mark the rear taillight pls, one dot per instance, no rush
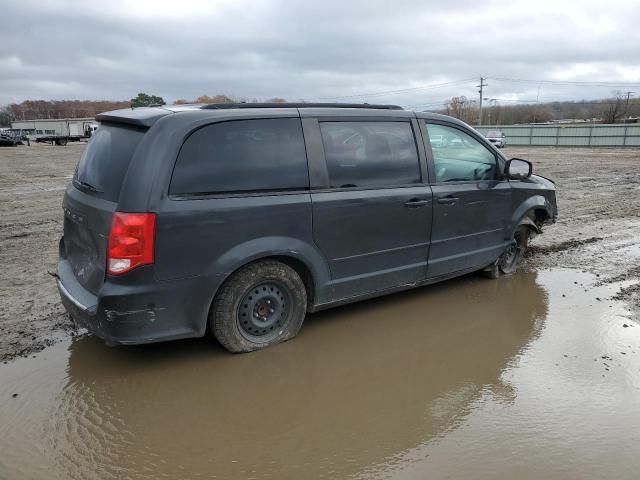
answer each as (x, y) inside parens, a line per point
(131, 241)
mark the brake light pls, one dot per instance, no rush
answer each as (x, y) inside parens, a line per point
(131, 241)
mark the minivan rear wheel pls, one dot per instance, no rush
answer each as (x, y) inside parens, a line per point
(259, 305)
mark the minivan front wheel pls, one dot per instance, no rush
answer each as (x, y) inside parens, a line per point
(259, 305)
(511, 257)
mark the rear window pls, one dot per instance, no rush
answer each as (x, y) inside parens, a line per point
(105, 160)
(242, 156)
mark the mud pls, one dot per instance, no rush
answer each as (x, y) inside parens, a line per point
(530, 376)
(598, 194)
(598, 230)
(516, 381)
(536, 250)
(32, 183)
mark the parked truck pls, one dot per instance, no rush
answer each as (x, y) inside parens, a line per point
(58, 131)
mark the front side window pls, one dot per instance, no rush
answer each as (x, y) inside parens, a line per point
(242, 156)
(459, 157)
(370, 154)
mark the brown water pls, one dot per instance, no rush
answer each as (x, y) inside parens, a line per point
(469, 379)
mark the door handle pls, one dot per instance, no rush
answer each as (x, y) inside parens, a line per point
(448, 200)
(416, 203)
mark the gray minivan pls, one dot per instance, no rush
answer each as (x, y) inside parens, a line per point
(242, 218)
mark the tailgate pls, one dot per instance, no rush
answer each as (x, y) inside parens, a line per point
(91, 199)
(86, 232)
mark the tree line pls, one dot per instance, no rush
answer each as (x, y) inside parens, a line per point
(616, 109)
(206, 99)
(56, 109)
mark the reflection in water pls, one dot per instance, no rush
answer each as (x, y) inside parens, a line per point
(360, 384)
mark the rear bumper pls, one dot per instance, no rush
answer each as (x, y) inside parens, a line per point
(126, 314)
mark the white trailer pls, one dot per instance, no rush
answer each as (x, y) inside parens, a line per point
(57, 131)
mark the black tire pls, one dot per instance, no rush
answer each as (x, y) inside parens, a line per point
(260, 305)
(508, 262)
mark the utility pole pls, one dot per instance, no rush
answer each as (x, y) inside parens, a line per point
(481, 86)
(535, 109)
(626, 108)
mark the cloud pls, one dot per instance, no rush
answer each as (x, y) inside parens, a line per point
(312, 50)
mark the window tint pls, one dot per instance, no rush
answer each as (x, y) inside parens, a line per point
(459, 157)
(241, 156)
(105, 160)
(365, 154)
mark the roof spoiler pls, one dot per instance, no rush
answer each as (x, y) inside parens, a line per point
(139, 117)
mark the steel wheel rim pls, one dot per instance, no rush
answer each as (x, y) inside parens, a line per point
(264, 311)
(511, 256)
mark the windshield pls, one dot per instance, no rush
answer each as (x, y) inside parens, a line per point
(494, 133)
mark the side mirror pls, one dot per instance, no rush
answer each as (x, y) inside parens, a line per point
(518, 169)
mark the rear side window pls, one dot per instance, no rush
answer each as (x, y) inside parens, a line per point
(105, 160)
(242, 156)
(370, 154)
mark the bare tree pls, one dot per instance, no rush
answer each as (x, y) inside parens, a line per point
(463, 109)
(214, 99)
(614, 109)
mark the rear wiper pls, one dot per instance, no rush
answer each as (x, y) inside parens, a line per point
(88, 186)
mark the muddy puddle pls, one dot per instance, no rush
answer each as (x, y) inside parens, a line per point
(525, 377)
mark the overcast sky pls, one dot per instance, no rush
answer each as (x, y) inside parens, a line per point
(318, 50)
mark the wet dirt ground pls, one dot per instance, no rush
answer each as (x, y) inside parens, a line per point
(532, 376)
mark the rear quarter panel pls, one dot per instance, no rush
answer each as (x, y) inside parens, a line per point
(205, 236)
(219, 235)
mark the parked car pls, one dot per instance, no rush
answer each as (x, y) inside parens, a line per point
(242, 218)
(497, 138)
(7, 138)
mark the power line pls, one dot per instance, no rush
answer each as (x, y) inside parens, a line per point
(382, 93)
(576, 102)
(395, 92)
(516, 102)
(595, 83)
(423, 105)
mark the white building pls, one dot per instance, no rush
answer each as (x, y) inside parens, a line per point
(73, 128)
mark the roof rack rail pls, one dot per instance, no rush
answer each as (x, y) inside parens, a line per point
(226, 106)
